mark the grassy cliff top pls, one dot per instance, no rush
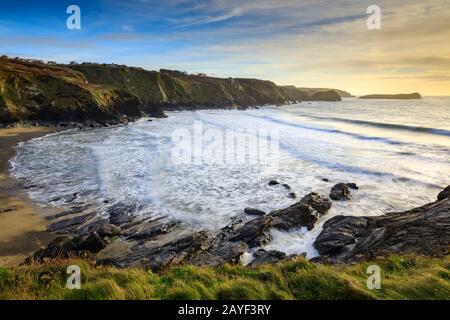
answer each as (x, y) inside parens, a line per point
(402, 277)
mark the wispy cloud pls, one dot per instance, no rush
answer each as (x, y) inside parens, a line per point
(306, 43)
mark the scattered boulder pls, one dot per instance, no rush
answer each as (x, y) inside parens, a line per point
(286, 186)
(109, 230)
(353, 186)
(340, 191)
(121, 213)
(69, 246)
(296, 216)
(292, 195)
(219, 254)
(444, 194)
(254, 233)
(176, 252)
(164, 251)
(93, 243)
(254, 212)
(321, 204)
(262, 256)
(273, 183)
(339, 232)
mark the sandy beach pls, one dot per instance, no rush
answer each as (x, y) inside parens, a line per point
(22, 223)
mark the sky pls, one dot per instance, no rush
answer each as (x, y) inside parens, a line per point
(310, 43)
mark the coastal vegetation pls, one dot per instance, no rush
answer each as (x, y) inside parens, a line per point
(402, 277)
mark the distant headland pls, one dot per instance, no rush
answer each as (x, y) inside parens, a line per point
(404, 96)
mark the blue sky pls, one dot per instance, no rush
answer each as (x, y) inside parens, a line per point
(306, 43)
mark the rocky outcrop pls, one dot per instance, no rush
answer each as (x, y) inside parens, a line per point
(254, 212)
(321, 204)
(444, 194)
(304, 213)
(69, 246)
(407, 96)
(325, 96)
(254, 233)
(122, 239)
(295, 216)
(424, 230)
(261, 257)
(340, 191)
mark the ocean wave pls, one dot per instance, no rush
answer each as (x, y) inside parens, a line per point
(392, 126)
(334, 131)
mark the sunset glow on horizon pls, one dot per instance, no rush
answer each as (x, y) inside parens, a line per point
(302, 43)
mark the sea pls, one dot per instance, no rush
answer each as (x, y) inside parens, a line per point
(204, 167)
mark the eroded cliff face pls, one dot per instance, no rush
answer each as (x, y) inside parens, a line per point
(33, 92)
(424, 230)
(36, 92)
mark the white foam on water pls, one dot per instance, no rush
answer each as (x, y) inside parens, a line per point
(395, 169)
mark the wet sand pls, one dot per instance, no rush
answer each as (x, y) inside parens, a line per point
(22, 222)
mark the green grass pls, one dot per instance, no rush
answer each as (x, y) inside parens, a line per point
(403, 277)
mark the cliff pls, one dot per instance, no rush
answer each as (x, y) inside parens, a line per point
(407, 96)
(34, 91)
(341, 93)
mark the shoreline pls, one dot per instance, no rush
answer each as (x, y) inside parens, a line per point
(23, 227)
(122, 240)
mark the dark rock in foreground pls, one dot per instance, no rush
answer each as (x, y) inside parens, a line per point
(301, 214)
(262, 256)
(352, 186)
(424, 230)
(295, 216)
(254, 233)
(69, 246)
(321, 204)
(444, 194)
(254, 212)
(341, 191)
(292, 195)
(286, 186)
(109, 230)
(122, 239)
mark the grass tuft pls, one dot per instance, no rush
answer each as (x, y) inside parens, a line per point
(402, 277)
